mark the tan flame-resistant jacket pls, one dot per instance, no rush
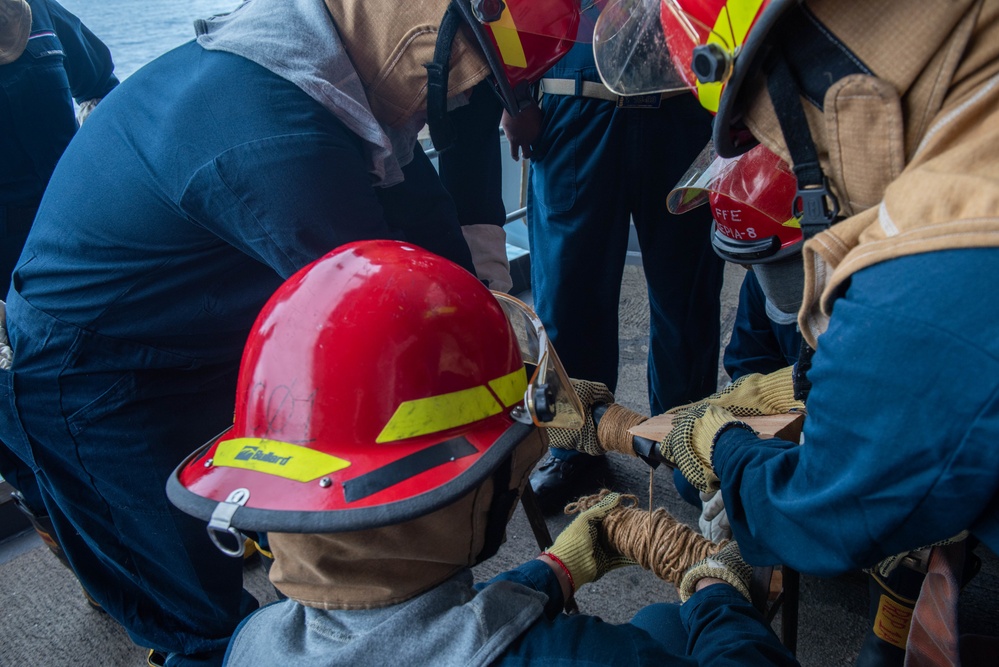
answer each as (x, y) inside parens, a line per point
(389, 42)
(913, 152)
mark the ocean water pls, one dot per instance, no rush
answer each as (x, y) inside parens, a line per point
(137, 31)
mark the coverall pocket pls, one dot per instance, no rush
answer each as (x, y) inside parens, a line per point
(12, 433)
(553, 168)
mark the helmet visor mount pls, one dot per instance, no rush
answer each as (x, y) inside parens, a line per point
(550, 400)
(654, 46)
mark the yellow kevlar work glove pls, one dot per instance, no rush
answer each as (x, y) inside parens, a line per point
(591, 394)
(726, 565)
(754, 395)
(582, 549)
(691, 442)
(888, 565)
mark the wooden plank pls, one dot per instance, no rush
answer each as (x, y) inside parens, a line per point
(786, 426)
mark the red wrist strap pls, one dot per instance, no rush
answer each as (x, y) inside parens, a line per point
(568, 574)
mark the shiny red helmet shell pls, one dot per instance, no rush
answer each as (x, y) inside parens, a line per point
(375, 386)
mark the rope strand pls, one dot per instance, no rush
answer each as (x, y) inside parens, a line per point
(653, 539)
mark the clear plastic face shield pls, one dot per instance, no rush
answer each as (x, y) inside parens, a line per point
(654, 46)
(550, 400)
(759, 178)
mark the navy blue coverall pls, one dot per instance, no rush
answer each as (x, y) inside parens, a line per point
(903, 419)
(62, 62)
(595, 165)
(189, 195)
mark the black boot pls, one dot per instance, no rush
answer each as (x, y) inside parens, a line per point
(559, 480)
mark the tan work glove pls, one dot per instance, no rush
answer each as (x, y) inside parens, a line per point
(487, 243)
(726, 565)
(753, 395)
(690, 444)
(585, 440)
(581, 548)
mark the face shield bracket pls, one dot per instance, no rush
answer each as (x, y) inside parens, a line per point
(221, 523)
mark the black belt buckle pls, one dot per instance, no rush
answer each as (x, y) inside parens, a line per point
(651, 101)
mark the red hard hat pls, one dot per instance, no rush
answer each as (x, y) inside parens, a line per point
(379, 383)
(522, 39)
(751, 199)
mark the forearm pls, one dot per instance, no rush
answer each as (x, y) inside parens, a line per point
(539, 575)
(724, 629)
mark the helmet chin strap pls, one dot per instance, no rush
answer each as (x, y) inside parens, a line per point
(814, 203)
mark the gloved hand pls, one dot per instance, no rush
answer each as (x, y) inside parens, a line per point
(714, 519)
(487, 243)
(582, 549)
(691, 442)
(753, 395)
(888, 565)
(86, 108)
(726, 565)
(522, 130)
(591, 394)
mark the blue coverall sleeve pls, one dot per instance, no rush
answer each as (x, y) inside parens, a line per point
(725, 630)
(536, 575)
(88, 62)
(899, 443)
(277, 200)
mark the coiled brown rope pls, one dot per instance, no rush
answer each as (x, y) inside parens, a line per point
(655, 540)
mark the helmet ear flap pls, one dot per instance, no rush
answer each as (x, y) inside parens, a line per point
(508, 483)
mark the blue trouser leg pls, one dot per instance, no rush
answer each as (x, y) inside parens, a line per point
(578, 237)
(598, 167)
(683, 273)
(102, 444)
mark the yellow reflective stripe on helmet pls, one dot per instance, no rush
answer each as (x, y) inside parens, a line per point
(709, 95)
(458, 408)
(508, 40)
(511, 387)
(281, 459)
(729, 32)
(792, 222)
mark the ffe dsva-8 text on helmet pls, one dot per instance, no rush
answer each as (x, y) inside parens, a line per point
(379, 384)
(711, 47)
(752, 204)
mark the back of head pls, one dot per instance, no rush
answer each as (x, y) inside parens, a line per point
(15, 26)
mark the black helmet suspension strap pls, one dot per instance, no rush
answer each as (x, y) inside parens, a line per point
(441, 128)
(814, 202)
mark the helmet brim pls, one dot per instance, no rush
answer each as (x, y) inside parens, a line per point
(200, 488)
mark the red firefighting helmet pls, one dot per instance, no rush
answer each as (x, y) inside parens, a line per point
(378, 384)
(707, 46)
(751, 199)
(522, 39)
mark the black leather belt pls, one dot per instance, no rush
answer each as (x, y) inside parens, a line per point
(599, 91)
